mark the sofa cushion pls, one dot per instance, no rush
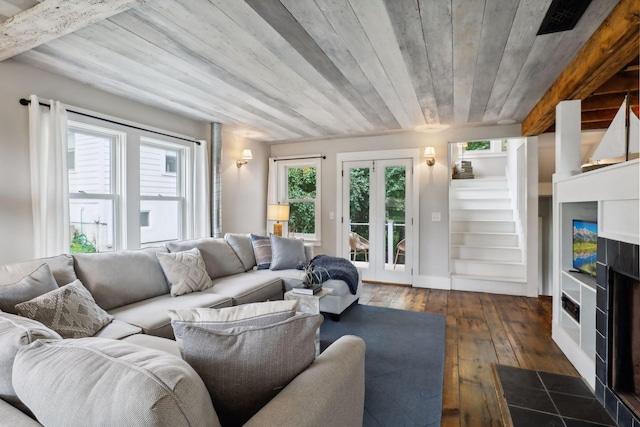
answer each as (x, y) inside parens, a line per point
(248, 287)
(185, 271)
(61, 267)
(261, 250)
(112, 383)
(30, 286)
(255, 314)
(155, 343)
(124, 277)
(218, 256)
(241, 245)
(245, 367)
(151, 315)
(14, 417)
(69, 310)
(117, 330)
(15, 333)
(286, 253)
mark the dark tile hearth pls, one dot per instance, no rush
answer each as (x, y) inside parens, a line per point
(535, 398)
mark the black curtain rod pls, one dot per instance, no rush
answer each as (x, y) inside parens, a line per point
(24, 101)
(301, 158)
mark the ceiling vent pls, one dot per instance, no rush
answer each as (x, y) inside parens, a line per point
(563, 15)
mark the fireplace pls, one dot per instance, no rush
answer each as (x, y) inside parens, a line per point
(618, 331)
(625, 338)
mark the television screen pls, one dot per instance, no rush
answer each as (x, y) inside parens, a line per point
(585, 238)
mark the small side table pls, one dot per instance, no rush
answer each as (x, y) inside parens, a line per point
(309, 304)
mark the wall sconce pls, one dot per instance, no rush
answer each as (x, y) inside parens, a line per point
(278, 213)
(430, 155)
(246, 156)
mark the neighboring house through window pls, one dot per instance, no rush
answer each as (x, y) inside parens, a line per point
(114, 192)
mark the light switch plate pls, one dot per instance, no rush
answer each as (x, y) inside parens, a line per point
(435, 216)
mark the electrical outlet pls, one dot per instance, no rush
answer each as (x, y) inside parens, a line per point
(435, 216)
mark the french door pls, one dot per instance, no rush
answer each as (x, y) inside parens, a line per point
(377, 218)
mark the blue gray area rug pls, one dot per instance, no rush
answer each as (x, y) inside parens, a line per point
(404, 363)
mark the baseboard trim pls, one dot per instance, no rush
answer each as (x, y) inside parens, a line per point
(432, 282)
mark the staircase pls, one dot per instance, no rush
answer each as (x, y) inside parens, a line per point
(486, 253)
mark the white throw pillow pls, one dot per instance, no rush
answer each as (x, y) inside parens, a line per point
(185, 271)
(254, 314)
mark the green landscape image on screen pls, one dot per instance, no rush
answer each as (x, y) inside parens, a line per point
(585, 238)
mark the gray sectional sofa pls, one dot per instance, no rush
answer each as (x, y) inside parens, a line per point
(131, 286)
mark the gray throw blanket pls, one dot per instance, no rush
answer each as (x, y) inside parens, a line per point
(337, 269)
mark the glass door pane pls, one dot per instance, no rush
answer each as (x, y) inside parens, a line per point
(376, 230)
(359, 215)
(395, 187)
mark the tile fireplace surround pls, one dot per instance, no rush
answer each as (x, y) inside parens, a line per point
(623, 258)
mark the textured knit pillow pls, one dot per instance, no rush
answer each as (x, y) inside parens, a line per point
(185, 271)
(262, 251)
(245, 367)
(33, 285)
(253, 314)
(286, 253)
(69, 310)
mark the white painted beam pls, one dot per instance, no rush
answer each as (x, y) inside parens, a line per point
(52, 19)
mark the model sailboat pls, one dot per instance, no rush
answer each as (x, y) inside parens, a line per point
(620, 143)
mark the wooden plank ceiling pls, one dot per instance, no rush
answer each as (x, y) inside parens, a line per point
(282, 70)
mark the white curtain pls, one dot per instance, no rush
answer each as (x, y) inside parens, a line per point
(201, 204)
(49, 179)
(272, 189)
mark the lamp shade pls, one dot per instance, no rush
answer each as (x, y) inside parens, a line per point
(429, 152)
(278, 212)
(246, 154)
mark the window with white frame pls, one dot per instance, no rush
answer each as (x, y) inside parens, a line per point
(94, 192)
(122, 200)
(299, 187)
(160, 192)
(486, 148)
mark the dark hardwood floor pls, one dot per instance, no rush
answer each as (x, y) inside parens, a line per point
(481, 329)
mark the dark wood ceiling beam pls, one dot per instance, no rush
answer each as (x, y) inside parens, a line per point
(598, 116)
(611, 47)
(620, 83)
(605, 102)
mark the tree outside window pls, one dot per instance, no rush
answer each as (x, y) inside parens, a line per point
(301, 195)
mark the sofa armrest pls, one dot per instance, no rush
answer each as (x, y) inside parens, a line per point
(330, 392)
(14, 417)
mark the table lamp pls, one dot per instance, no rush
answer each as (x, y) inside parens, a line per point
(278, 213)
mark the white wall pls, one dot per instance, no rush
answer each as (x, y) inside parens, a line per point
(242, 189)
(434, 192)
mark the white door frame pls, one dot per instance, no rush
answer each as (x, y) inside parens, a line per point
(412, 153)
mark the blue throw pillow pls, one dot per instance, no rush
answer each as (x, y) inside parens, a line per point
(262, 251)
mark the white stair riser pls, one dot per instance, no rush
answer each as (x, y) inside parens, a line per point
(485, 239)
(484, 214)
(479, 193)
(483, 226)
(471, 268)
(479, 183)
(474, 204)
(492, 286)
(486, 254)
